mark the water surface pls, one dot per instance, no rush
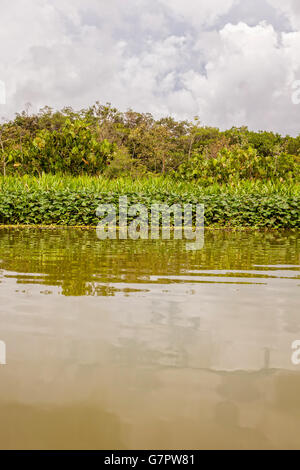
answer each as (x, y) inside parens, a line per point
(143, 344)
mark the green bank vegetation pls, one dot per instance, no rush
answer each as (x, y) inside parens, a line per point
(73, 200)
(154, 185)
(58, 166)
(101, 140)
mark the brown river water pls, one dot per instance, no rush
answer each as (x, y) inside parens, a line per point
(145, 345)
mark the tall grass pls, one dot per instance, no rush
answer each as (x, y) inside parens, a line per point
(143, 185)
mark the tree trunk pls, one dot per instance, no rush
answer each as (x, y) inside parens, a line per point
(3, 158)
(163, 165)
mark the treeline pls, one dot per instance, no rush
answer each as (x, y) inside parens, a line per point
(103, 140)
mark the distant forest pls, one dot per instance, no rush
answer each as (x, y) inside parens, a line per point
(101, 140)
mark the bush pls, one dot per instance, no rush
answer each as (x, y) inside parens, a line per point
(241, 163)
(102, 140)
(68, 203)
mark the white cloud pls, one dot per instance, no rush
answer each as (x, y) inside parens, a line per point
(291, 8)
(249, 81)
(198, 13)
(162, 56)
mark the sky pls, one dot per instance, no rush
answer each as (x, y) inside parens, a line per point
(230, 62)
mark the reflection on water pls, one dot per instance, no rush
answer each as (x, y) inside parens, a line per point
(124, 345)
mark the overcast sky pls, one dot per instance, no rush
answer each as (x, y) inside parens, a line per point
(231, 62)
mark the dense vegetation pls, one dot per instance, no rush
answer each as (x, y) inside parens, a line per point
(58, 166)
(73, 201)
(103, 141)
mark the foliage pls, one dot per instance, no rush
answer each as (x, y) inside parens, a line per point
(73, 148)
(101, 140)
(73, 201)
(157, 184)
(241, 163)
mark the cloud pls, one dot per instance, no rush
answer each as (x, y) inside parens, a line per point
(198, 13)
(165, 57)
(290, 8)
(249, 80)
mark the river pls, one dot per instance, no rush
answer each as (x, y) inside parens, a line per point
(145, 345)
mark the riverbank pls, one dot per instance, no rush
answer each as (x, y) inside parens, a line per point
(68, 201)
